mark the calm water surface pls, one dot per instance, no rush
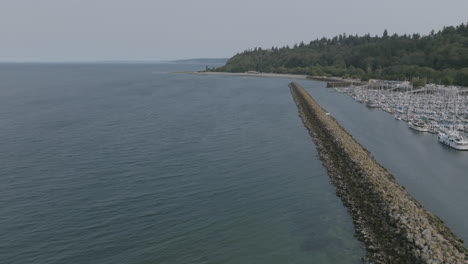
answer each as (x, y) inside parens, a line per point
(132, 164)
(436, 175)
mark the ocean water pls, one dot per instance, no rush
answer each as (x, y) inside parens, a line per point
(436, 175)
(127, 163)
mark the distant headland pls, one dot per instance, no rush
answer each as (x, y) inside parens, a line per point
(203, 60)
(439, 57)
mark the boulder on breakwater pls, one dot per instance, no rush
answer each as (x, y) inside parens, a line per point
(392, 225)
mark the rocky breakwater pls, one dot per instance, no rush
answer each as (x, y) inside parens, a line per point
(392, 225)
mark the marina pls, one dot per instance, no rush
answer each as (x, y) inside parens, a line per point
(435, 109)
(371, 193)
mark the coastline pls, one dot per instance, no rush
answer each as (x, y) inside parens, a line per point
(266, 75)
(392, 225)
(330, 81)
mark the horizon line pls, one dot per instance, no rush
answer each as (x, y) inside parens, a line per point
(104, 61)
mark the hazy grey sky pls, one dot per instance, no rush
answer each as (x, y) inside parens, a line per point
(90, 30)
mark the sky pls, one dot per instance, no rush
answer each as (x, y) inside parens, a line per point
(149, 30)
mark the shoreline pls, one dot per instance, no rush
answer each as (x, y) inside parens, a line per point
(330, 81)
(391, 224)
(265, 75)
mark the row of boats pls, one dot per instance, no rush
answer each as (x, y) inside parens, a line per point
(434, 109)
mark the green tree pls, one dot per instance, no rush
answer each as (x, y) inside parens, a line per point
(385, 34)
(447, 80)
(419, 83)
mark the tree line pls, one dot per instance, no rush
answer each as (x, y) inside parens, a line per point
(438, 57)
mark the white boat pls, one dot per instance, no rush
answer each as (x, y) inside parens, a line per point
(388, 110)
(453, 139)
(419, 126)
(371, 104)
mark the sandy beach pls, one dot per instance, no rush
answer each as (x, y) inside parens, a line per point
(268, 75)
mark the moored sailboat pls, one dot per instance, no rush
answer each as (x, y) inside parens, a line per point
(420, 126)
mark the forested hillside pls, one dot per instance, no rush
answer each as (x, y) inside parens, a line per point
(440, 57)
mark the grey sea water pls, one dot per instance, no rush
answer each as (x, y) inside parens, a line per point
(103, 163)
